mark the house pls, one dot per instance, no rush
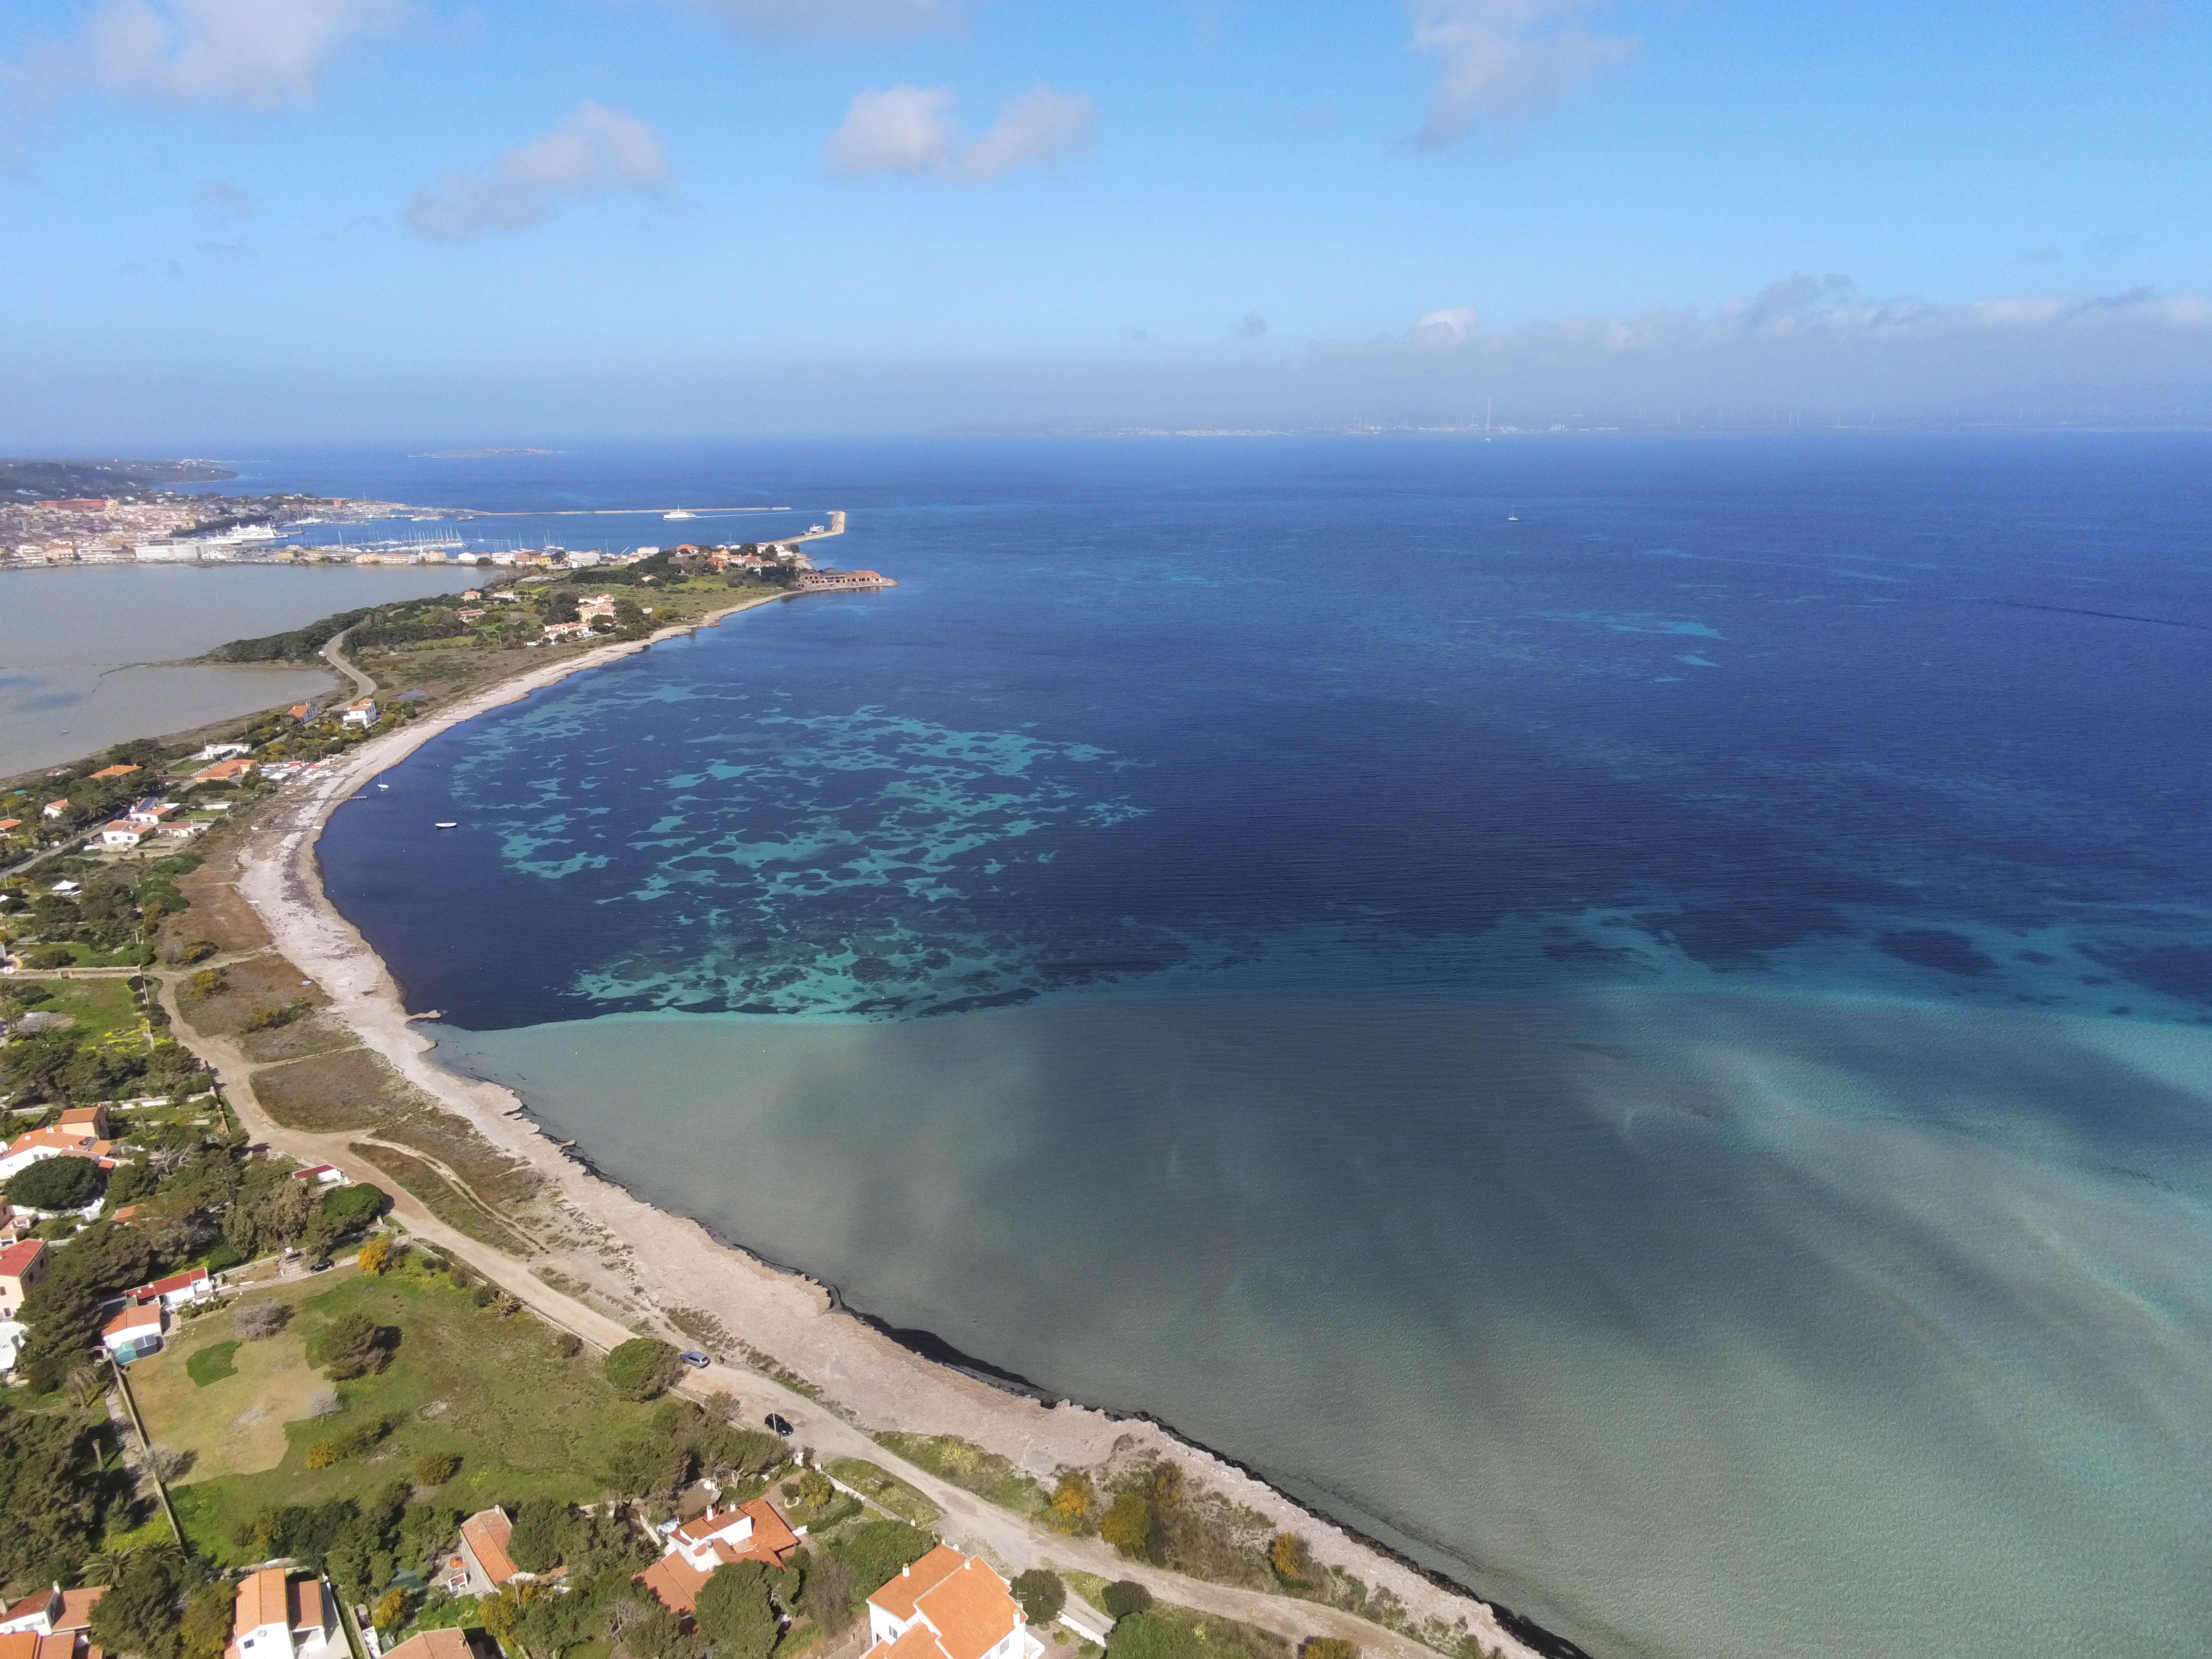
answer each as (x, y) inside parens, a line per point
(65, 889)
(184, 829)
(146, 813)
(225, 771)
(323, 1175)
(21, 1266)
(12, 1332)
(447, 1644)
(35, 1144)
(137, 1330)
(948, 1606)
(575, 630)
(50, 1624)
(719, 1538)
(277, 1617)
(108, 772)
(215, 752)
(9, 826)
(85, 1121)
(472, 614)
(121, 833)
(55, 809)
(362, 713)
(484, 1563)
(177, 1290)
(601, 604)
(300, 711)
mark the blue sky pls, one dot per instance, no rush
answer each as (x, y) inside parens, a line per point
(357, 217)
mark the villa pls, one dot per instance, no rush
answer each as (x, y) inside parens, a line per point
(178, 1290)
(21, 1266)
(50, 1624)
(362, 713)
(276, 1618)
(948, 1606)
(744, 1532)
(482, 1563)
(63, 1140)
(121, 833)
(135, 1331)
(55, 809)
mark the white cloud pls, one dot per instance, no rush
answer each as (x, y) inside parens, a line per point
(1448, 327)
(912, 130)
(260, 53)
(1507, 60)
(594, 151)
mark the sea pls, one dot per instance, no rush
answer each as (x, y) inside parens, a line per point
(1629, 1015)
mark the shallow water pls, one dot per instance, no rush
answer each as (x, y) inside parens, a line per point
(1629, 1015)
(73, 643)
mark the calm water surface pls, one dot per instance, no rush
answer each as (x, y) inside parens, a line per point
(75, 643)
(1629, 1015)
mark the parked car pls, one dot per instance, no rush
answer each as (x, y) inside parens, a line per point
(780, 1424)
(695, 1360)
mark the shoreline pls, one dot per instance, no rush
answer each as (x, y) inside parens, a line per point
(798, 1328)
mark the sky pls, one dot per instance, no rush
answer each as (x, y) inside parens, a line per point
(515, 220)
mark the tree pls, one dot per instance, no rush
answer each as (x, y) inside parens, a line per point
(54, 1183)
(1289, 1557)
(815, 1489)
(49, 1496)
(1125, 1598)
(827, 1596)
(352, 1345)
(1041, 1595)
(205, 1631)
(1072, 1500)
(375, 1255)
(348, 1209)
(391, 1610)
(642, 1368)
(876, 1550)
(1128, 1525)
(142, 1610)
(734, 1612)
(540, 1540)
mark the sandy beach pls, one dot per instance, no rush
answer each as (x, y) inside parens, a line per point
(853, 1377)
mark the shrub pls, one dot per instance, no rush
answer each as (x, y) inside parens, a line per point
(352, 1444)
(1041, 1594)
(1287, 1556)
(1072, 1500)
(354, 1345)
(1127, 1525)
(567, 1344)
(54, 1183)
(253, 1319)
(642, 1368)
(876, 1551)
(198, 950)
(375, 1255)
(1147, 1635)
(204, 984)
(348, 1209)
(1124, 1599)
(539, 1541)
(734, 1612)
(436, 1469)
(1328, 1647)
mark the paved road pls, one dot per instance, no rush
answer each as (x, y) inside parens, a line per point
(334, 653)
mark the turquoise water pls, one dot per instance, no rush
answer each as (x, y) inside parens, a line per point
(1651, 1051)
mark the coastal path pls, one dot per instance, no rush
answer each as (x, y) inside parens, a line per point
(333, 652)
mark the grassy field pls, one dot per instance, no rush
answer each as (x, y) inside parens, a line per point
(886, 1491)
(971, 1468)
(495, 1390)
(102, 1008)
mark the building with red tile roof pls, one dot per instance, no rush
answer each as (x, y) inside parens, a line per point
(114, 772)
(21, 1266)
(484, 1537)
(138, 1327)
(719, 1538)
(949, 1605)
(55, 1612)
(278, 1617)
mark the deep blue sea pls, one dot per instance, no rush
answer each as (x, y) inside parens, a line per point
(1629, 1014)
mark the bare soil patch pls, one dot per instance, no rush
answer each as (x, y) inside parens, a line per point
(263, 982)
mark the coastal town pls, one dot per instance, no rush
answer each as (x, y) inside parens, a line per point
(311, 1348)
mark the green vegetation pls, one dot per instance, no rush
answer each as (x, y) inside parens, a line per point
(1123, 1598)
(162, 1605)
(971, 1468)
(212, 1364)
(53, 1496)
(885, 1490)
(54, 1183)
(1130, 1526)
(1041, 1595)
(642, 1368)
(98, 1010)
(1171, 1632)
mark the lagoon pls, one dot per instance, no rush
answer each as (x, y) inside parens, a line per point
(80, 646)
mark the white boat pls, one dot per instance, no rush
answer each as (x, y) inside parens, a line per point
(446, 826)
(679, 514)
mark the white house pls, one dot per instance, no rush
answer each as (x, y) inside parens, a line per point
(138, 1327)
(122, 833)
(362, 713)
(949, 1605)
(178, 1289)
(215, 752)
(57, 1141)
(47, 1613)
(12, 1332)
(719, 1538)
(277, 1617)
